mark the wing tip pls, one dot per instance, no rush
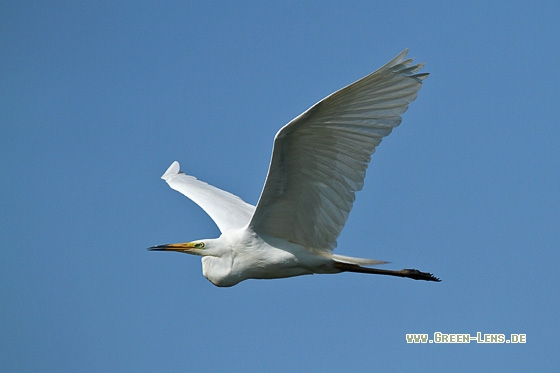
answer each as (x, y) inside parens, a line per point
(398, 58)
(172, 170)
(400, 65)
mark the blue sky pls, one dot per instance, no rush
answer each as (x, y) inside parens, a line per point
(97, 100)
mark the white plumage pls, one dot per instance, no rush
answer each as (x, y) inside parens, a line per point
(318, 163)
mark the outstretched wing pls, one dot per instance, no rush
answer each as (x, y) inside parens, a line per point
(227, 210)
(320, 158)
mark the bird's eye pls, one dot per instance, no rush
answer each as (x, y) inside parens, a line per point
(199, 245)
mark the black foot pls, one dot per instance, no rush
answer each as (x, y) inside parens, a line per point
(417, 275)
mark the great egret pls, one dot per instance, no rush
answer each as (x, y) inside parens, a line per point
(319, 161)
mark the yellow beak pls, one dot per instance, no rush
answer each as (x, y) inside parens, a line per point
(180, 247)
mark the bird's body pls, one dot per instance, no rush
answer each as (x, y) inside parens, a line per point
(318, 163)
(248, 255)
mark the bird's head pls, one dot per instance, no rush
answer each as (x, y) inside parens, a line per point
(200, 248)
(217, 260)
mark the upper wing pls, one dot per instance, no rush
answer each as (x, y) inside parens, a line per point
(320, 158)
(227, 210)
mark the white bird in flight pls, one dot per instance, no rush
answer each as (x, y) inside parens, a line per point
(319, 162)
